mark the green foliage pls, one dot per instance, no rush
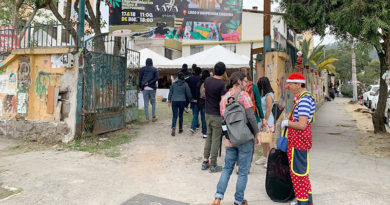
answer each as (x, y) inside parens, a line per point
(344, 64)
(348, 18)
(371, 73)
(347, 90)
(317, 57)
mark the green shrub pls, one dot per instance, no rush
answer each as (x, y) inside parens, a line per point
(347, 90)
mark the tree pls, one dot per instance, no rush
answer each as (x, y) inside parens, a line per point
(317, 58)
(366, 20)
(94, 21)
(344, 54)
(370, 73)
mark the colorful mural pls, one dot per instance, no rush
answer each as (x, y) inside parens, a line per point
(215, 20)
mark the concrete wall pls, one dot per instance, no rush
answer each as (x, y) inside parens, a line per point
(39, 85)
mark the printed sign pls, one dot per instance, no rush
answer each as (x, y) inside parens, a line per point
(22, 103)
(216, 20)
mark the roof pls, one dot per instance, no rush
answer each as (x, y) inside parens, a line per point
(157, 58)
(208, 58)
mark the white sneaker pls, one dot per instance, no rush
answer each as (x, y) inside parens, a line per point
(204, 136)
(261, 161)
(265, 166)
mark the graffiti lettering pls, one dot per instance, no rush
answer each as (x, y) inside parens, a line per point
(42, 83)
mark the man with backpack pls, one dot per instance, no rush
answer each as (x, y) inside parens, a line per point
(215, 89)
(236, 109)
(300, 137)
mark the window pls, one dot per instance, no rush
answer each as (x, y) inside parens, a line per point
(231, 47)
(196, 49)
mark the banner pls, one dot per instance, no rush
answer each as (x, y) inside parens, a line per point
(8, 39)
(216, 20)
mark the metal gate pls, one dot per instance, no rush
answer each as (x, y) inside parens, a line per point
(105, 84)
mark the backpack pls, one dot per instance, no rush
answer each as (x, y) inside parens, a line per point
(236, 122)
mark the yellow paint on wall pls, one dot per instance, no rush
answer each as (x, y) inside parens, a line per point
(43, 73)
(8, 96)
(42, 76)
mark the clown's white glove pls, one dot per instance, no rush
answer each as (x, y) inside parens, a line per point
(284, 124)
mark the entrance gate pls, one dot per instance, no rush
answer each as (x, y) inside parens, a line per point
(105, 83)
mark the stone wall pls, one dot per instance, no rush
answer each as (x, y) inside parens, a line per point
(35, 131)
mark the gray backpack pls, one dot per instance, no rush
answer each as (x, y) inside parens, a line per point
(236, 122)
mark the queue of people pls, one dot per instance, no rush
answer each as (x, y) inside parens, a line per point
(210, 93)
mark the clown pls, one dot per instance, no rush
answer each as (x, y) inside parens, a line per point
(299, 137)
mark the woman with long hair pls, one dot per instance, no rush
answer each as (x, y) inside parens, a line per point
(268, 123)
(241, 153)
(201, 100)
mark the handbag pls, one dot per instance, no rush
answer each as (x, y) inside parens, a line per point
(281, 143)
(266, 136)
(277, 110)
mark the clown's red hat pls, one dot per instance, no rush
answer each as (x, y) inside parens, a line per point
(296, 78)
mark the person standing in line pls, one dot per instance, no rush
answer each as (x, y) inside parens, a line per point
(178, 93)
(300, 137)
(192, 82)
(147, 83)
(254, 93)
(187, 75)
(215, 89)
(201, 99)
(241, 154)
(268, 124)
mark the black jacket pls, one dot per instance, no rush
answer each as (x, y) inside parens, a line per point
(148, 74)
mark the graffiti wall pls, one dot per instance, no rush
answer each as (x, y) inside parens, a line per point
(30, 86)
(277, 68)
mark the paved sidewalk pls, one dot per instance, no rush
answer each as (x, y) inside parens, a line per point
(339, 173)
(156, 166)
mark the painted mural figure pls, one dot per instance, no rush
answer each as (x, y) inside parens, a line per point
(300, 137)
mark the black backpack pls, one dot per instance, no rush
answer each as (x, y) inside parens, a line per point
(278, 182)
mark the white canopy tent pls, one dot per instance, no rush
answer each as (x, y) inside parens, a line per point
(208, 58)
(157, 58)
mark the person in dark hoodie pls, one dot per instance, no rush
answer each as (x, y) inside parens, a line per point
(178, 93)
(187, 75)
(201, 100)
(147, 83)
(192, 82)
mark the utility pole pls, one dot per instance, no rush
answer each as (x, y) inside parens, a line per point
(267, 26)
(354, 80)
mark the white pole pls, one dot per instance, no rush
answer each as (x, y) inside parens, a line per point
(354, 80)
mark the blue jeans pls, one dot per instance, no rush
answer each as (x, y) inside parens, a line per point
(195, 116)
(178, 108)
(149, 95)
(242, 154)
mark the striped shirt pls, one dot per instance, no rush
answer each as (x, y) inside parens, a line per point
(306, 107)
